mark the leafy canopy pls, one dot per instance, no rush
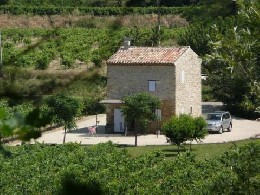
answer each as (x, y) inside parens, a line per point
(140, 108)
(183, 128)
(64, 110)
(234, 58)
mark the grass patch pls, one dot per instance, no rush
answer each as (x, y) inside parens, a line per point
(202, 151)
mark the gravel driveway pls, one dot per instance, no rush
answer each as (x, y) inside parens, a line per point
(242, 129)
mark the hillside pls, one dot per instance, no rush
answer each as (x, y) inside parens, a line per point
(44, 53)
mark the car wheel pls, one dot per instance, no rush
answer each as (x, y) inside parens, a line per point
(230, 127)
(221, 130)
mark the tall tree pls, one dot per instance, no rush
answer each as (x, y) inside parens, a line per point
(139, 109)
(234, 59)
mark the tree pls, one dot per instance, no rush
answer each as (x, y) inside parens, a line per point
(179, 129)
(209, 10)
(230, 50)
(234, 60)
(39, 117)
(64, 110)
(184, 127)
(139, 109)
(4, 2)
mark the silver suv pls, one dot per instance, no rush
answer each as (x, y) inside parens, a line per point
(218, 121)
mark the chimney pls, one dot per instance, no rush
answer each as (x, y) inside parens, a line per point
(127, 44)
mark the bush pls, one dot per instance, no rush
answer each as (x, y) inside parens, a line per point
(92, 106)
(183, 128)
(42, 63)
(96, 59)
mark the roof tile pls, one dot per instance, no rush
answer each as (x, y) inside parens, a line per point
(146, 55)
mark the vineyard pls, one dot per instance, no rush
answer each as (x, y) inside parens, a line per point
(94, 11)
(105, 169)
(68, 58)
(36, 48)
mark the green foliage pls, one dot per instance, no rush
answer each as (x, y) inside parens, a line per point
(183, 128)
(244, 162)
(4, 2)
(207, 93)
(39, 117)
(82, 10)
(196, 36)
(234, 58)
(96, 59)
(200, 130)
(139, 109)
(229, 46)
(38, 169)
(64, 110)
(209, 10)
(92, 106)
(71, 44)
(179, 128)
(145, 3)
(12, 123)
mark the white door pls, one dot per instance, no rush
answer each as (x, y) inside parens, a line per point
(118, 121)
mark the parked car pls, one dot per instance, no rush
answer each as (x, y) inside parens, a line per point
(218, 121)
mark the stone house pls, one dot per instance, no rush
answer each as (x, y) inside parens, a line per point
(173, 74)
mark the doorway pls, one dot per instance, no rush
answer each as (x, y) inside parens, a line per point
(118, 121)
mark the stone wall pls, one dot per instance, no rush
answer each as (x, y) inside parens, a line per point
(127, 80)
(188, 84)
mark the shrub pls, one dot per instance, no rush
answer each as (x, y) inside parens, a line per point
(183, 128)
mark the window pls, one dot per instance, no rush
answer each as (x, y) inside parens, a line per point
(182, 76)
(226, 116)
(151, 85)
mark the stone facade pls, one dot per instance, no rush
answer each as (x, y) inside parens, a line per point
(188, 84)
(177, 84)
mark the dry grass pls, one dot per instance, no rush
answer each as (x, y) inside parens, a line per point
(27, 21)
(45, 82)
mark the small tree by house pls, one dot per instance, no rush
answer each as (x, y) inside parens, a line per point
(183, 128)
(64, 110)
(179, 129)
(138, 110)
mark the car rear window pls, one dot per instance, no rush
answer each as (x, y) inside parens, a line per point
(214, 117)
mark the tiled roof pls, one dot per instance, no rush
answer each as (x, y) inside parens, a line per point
(146, 55)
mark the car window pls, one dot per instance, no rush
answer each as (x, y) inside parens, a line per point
(227, 116)
(214, 117)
